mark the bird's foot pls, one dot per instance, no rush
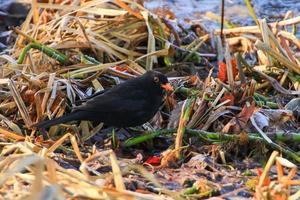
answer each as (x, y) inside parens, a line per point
(44, 134)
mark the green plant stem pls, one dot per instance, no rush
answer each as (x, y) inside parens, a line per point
(89, 60)
(193, 51)
(47, 50)
(295, 29)
(240, 68)
(261, 101)
(187, 91)
(213, 137)
(251, 12)
(268, 104)
(162, 34)
(191, 190)
(147, 136)
(182, 125)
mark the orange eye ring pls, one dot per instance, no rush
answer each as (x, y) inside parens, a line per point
(156, 79)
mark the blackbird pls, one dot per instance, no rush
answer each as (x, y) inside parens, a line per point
(128, 104)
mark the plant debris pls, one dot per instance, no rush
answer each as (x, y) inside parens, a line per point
(235, 102)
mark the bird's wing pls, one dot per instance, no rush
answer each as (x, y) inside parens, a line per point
(121, 99)
(92, 96)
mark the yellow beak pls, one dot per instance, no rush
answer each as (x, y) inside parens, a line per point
(168, 87)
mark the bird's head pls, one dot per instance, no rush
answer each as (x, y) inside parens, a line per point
(159, 80)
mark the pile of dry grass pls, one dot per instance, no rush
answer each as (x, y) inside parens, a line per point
(64, 49)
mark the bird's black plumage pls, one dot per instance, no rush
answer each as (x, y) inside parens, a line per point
(128, 104)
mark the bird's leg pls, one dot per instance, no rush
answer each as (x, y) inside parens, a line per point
(128, 130)
(44, 134)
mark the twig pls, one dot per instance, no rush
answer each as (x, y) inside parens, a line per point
(255, 29)
(222, 18)
(277, 85)
(31, 39)
(35, 12)
(292, 66)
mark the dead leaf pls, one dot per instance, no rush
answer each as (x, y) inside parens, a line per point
(238, 123)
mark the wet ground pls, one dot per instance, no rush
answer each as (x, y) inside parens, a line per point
(12, 14)
(236, 11)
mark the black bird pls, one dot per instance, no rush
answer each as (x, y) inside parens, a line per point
(128, 104)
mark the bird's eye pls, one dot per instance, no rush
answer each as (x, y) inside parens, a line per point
(156, 79)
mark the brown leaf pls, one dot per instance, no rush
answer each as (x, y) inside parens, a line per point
(238, 123)
(230, 97)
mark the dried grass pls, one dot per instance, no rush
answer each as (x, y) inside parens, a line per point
(69, 46)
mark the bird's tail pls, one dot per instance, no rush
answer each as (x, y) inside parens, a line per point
(67, 118)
